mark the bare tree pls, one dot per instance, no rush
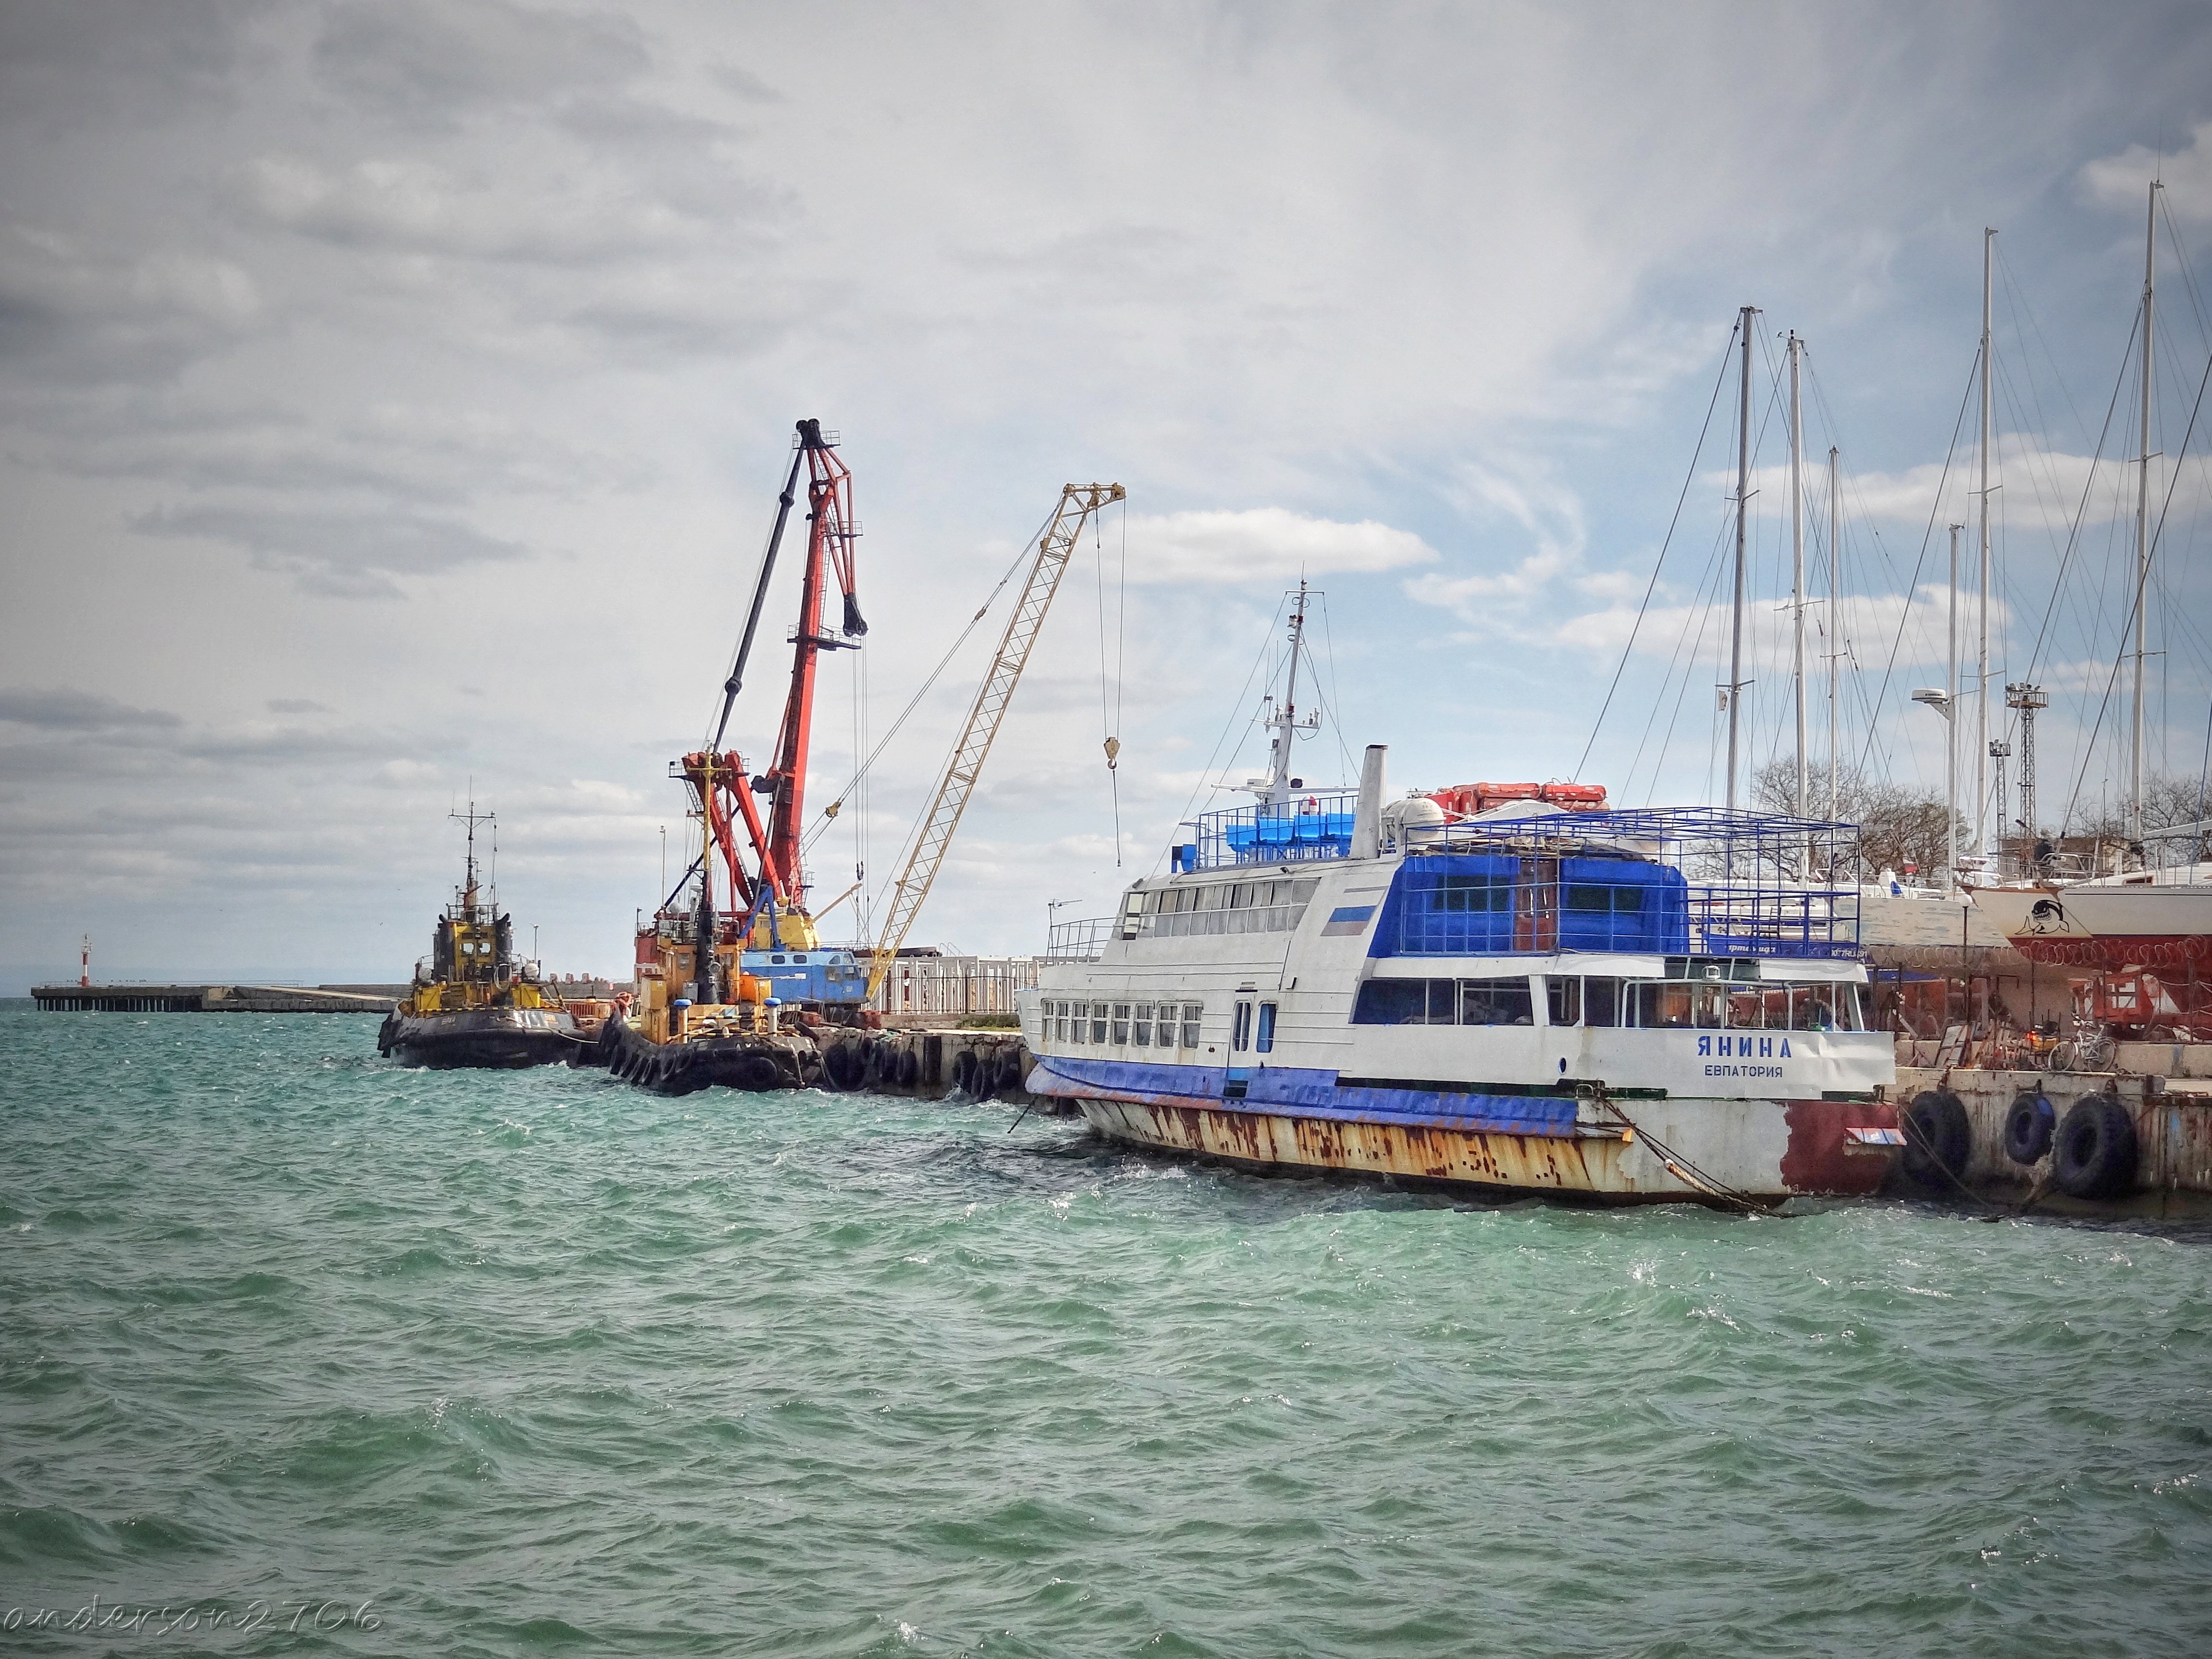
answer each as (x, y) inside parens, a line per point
(1897, 826)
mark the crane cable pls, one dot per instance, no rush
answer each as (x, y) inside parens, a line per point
(1110, 712)
(831, 811)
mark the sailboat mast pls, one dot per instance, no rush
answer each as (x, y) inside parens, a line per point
(1982, 661)
(1835, 630)
(2142, 521)
(1951, 730)
(1742, 502)
(1798, 566)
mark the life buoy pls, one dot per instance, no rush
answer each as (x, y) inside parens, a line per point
(2029, 1122)
(2093, 1154)
(1938, 1139)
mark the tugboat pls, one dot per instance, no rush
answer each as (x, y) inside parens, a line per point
(734, 985)
(1486, 989)
(472, 1003)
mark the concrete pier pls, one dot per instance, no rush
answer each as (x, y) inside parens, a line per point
(218, 998)
(2173, 1118)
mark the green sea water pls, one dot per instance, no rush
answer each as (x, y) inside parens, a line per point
(360, 1359)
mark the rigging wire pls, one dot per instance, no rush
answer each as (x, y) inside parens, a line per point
(1659, 563)
(1904, 614)
(2150, 554)
(1236, 708)
(823, 821)
(1329, 703)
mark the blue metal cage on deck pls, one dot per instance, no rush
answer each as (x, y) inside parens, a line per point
(1671, 880)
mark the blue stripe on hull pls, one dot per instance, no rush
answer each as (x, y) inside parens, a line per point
(1292, 1091)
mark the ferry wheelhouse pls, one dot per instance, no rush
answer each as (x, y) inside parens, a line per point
(1622, 1004)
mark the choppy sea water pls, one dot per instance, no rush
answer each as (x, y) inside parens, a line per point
(360, 1359)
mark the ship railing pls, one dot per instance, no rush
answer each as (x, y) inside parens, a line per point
(1779, 921)
(1732, 844)
(1314, 826)
(1079, 941)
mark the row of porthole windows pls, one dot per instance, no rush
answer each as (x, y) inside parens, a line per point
(1125, 1024)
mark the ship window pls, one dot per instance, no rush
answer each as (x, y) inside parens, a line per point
(799, 958)
(1405, 1002)
(1496, 1002)
(1074, 1023)
(1132, 914)
(1121, 1024)
(1142, 1036)
(1602, 1002)
(777, 960)
(1265, 1041)
(1214, 897)
(1059, 1027)
(1664, 1008)
(1241, 1037)
(1564, 999)
(1592, 898)
(1098, 1021)
(1192, 1012)
(1473, 893)
(1813, 1008)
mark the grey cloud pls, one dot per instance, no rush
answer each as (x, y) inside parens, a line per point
(343, 555)
(744, 84)
(584, 217)
(295, 705)
(399, 452)
(95, 315)
(431, 62)
(55, 709)
(122, 62)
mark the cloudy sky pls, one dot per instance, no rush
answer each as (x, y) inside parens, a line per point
(395, 395)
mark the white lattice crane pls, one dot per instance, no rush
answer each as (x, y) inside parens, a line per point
(1055, 547)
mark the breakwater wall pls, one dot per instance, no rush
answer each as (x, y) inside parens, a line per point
(135, 998)
(218, 998)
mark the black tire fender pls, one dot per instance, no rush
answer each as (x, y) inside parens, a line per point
(1011, 1072)
(2094, 1153)
(910, 1069)
(2029, 1124)
(1939, 1138)
(846, 1065)
(964, 1071)
(758, 1075)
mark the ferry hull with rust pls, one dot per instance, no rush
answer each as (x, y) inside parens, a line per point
(1786, 1150)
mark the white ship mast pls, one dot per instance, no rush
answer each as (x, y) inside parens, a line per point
(1274, 789)
(1982, 844)
(2142, 523)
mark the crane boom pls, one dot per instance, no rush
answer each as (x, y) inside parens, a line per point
(1055, 547)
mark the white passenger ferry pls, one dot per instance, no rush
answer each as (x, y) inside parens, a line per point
(1630, 1005)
